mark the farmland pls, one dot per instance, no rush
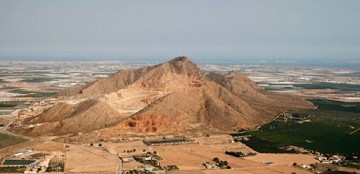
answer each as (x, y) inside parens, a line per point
(326, 131)
(40, 95)
(336, 105)
(326, 85)
(37, 80)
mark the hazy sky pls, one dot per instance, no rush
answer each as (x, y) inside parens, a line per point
(167, 28)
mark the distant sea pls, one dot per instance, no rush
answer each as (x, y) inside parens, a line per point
(302, 62)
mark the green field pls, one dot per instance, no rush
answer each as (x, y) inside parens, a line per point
(353, 74)
(7, 140)
(37, 80)
(33, 94)
(20, 91)
(4, 105)
(322, 134)
(7, 106)
(11, 105)
(335, 86)
(336, 105)
(330, 131)
(39, 95)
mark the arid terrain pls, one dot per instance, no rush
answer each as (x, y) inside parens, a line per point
(173, 117)
(172, 97)
(180, 87)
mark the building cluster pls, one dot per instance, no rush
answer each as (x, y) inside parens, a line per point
(334, 159)
(30, 161)
(216, 163)
(299, 117)
(307, 167)
(150, 163)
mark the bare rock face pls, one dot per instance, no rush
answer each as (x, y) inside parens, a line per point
(175, 96)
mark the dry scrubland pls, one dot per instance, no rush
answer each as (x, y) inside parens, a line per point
(175, 97)
(190, 157)
(83, 159)
(172, 97)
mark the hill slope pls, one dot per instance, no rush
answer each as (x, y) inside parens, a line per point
(175, 96)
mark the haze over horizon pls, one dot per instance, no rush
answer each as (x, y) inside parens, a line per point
(102, 30)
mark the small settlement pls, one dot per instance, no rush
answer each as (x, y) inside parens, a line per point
(150, 161)
(31, 161)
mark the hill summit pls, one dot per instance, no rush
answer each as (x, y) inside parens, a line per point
(175, 96)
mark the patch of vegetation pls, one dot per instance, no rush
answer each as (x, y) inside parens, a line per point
(34, 72)
(171, 168)
(263, 145)
(11, 105)
(337, 105)
(6, 105)
(20, 91)
(101, 74)
(353, 74)
(39, 95)
(335, 86)
(324, 133)
(332, 114)
(12, 169)
(216, 164)
(37, 80)
(33, 94)
(138, 172)
(5, 112)
(6, 74)
(56, 165)
(239, 154)
(7, 140)
(8, 87)
(3, 81)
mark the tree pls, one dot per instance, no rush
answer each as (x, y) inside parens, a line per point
(225, 163)
(216, 159)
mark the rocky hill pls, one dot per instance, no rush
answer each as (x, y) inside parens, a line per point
(175, 96)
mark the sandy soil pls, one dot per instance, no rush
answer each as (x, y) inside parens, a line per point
(260, 170)
(83, 159)
(119, 148)
(49, 146)
(16, 148)
(4, 121)
(283, 159)
(186, 172)
(130, 101)
(190, 157)
(131, 166)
